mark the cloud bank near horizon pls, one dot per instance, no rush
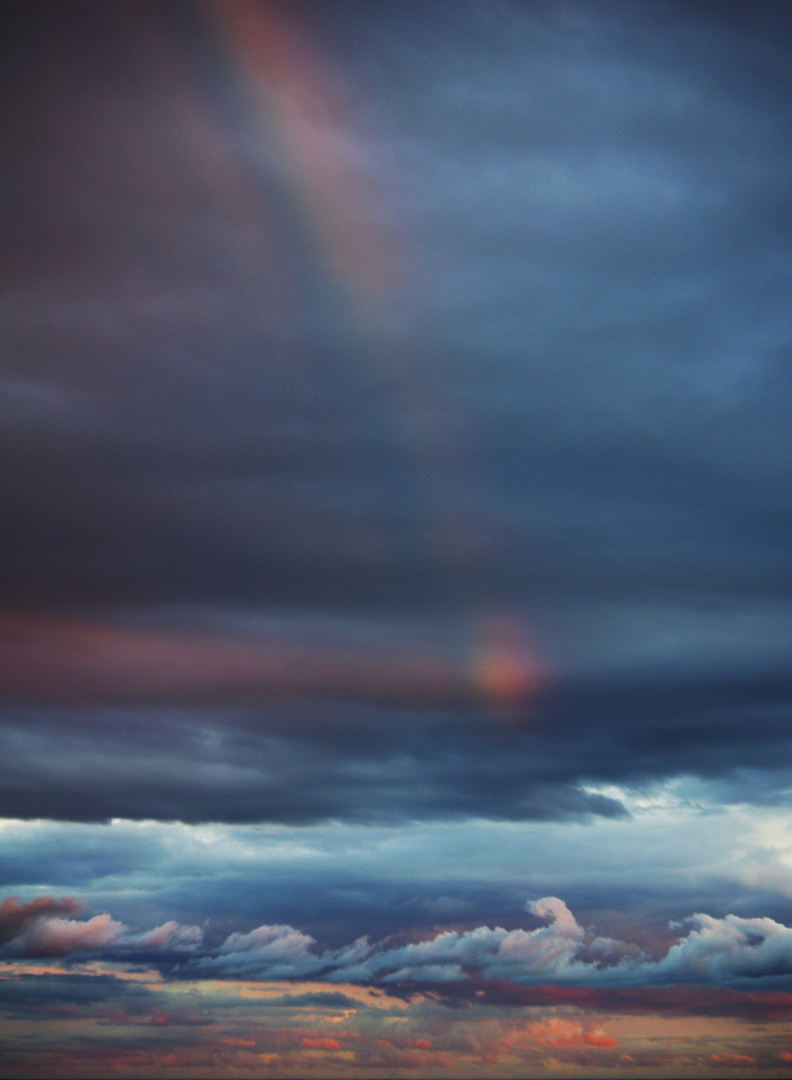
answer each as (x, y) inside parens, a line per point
(730, 951)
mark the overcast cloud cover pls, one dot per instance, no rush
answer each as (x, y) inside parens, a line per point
(396, 634)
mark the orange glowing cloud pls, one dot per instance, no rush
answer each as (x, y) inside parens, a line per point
(555, 1033)
(322, 1044)
(732, 1061)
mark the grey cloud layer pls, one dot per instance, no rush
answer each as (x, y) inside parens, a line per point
(596, 388)
(301, 760)
(572, 406)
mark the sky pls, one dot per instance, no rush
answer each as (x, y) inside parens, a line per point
(396, 569)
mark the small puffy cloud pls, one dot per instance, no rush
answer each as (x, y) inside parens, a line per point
(282, 952)
(642, 1061)
(727, 949)
(59, 937)
(16, 917)
(321, 1044)
(731, 1061)
(556, 1033)
(171, 935)
(278, 952)
(38, 928)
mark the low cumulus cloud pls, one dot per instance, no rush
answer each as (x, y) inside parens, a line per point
(709, 950)
(39, 928)
(16, 918)
(731, 949)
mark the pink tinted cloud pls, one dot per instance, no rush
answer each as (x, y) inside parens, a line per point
(731, 1061)
(59, 937)
(46, 658)
(38, 928)
(321, 1044)
(16, 917)
(642, 1061)
(555, 1033)
(590, 1038)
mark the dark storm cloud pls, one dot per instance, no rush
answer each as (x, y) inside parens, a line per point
(599, 232)
(386, 768)
(302, 761)
(674, 1000)
(576, 396)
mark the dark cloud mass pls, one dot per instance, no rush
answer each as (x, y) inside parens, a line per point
(561, 399)
(305, 763)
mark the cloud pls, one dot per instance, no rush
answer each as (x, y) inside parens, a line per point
(59, 937)
(759, 1005)
(573, 263)
(555, 1033)
(730, 950)
(731, 1061)
(171, 935)
(35, 929)
(16, 917)
(321, 1044)
(213, 762)
(271, 951)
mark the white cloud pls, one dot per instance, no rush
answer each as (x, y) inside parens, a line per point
(171, 935)
(712, 950)
(729, 948)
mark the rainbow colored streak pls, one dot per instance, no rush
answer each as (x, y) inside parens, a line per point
(296, 100)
